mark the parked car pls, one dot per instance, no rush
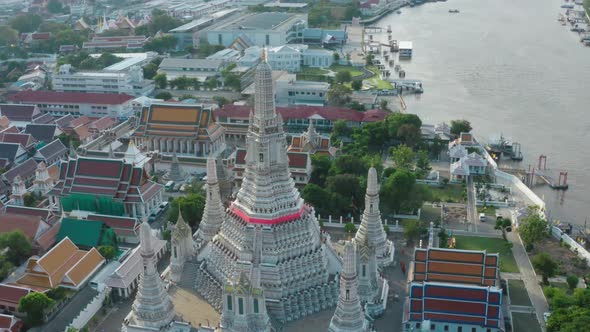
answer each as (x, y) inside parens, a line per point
(482, 217)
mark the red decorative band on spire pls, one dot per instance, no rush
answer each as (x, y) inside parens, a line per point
(264, 221)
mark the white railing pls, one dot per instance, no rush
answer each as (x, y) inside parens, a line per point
(90, 310)
(573, 245)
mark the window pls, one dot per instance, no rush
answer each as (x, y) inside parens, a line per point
(229, 303)
(446, 327)
(417, 325)
(255, 306)
(175, 252)
(460, 329)
(219, 39)
(432, 327)
(473, 329)
(261, 157)
(240, 305)
(267, 40)
(364, 270)
(347, 294)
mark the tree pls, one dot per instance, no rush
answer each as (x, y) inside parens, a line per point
(336, 57)
(423, 162)
(533, 227)
(349, 228)
(161, 44)
(108, 252)
(19, 247)
(409, 135)
(369, 59)
(26, 23)
(164, 95)
(403, 157)
(192, 207)
(233, 81)
(54, 7)
(383, 105)
(212, 83)
(34, 305)
(8, 36)
(504, 225)
(220, 100)
(413, 231)
(572, 319)
(349, 187)
(460, 126)
(315, 195)
(357, 85)
(397, 188)
(545, 265)
(161, 80)
(339, 95)
(396, 120)
(343, 76)
(180, 83)
(443, 238)
(320, 168)
(150, 70)
(572, 282)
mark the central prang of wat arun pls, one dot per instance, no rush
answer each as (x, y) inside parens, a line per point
(263, 261)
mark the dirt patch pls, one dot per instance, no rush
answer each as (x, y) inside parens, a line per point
(569, 263)
(455, 217)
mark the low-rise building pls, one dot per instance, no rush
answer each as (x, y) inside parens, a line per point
(42, 132)
(31, 226)
(263, 29)
(115, 42)
(183, 129)
(131, 82)
(51, 152)
(125, 279)
(235, 119)
(87, 234)
(116, 187)
(19, 115)
(453, 290)
(65, 265)
(10, 295)
(10, 323)
(191, 68)
(472, 164)
(76, 103)
(290, 91)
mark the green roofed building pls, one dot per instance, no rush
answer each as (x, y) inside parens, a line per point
(87, 233)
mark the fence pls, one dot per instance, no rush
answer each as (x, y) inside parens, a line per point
(90, 310)
(574, 246)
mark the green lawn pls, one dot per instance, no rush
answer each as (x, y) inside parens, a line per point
(488, 210)
(353, 70)
(380, 84)
(518, 293)
(313, 71)
(451, 193)
(522, 322)
(492, 245)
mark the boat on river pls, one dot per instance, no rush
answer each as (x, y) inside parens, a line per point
(454, 11)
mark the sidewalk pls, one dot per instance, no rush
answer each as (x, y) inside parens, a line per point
(529, 277)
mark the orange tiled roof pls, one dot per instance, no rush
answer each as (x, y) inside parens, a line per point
(64, 264)
(85, 266)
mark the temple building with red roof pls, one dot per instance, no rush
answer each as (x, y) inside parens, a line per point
(454, 290)
(188, 130)
(236, 118)
(117, 187)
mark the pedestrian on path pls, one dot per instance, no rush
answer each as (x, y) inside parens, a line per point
(403, 267)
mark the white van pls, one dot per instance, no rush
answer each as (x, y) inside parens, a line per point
(482, 217)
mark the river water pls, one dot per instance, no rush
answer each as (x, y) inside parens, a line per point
(509, 68)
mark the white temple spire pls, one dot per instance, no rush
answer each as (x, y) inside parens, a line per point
(182, 246)
(152, 307)
(213, 214)
(371, 228)
(348, 316)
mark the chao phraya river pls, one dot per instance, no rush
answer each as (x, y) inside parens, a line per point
(510, 68)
